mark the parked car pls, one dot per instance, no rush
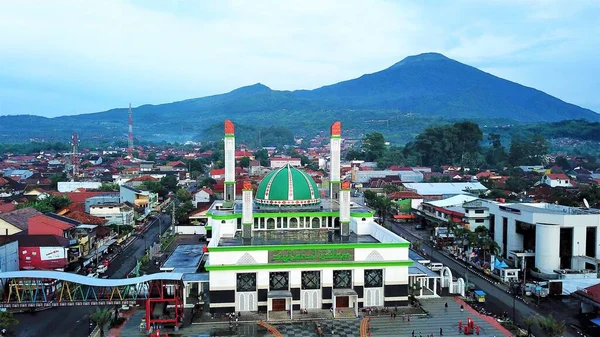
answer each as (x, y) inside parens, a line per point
(435, 266)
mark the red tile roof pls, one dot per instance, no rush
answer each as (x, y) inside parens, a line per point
(176, 163)
(86, 218)
(405, 195)
(556, 176)
(48, 221)
(6, 207)
(217, 172)
(144, 178)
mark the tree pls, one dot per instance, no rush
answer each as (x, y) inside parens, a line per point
(49, 204)
(550, 326)
(529, 151)
(151, 156)
(169, 182)
(208, 182)
(262, 156)
(353, 154)
(393, 156)
(529, 322)
(183, 195)
(374, 146)
(106, 187)
(7, 319)
(101, 317)
(245, 162)
(55, 179)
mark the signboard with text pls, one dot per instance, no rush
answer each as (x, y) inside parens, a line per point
(311, 255)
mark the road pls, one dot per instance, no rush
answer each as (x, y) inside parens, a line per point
(495, 298)
(73, 322)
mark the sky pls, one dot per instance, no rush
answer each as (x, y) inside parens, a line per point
(71, 57)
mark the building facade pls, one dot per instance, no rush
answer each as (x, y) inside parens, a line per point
(287, 249)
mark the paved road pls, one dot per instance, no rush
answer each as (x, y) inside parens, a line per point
(496, 298)
(73, 322)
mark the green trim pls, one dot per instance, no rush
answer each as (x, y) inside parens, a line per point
(360, 215)
(349, 264)
(311, 246)
(274, 215)
(208, 228)
(229, 182)
(230, 135)
(334, 182)
(247, 224)
(335, 136)
(346, 222)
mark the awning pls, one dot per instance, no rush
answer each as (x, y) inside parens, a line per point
(344, 292)
(279, 294)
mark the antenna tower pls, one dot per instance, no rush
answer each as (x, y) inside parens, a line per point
(130, 142)
(75, 154)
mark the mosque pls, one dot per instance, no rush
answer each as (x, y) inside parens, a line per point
(281, 247)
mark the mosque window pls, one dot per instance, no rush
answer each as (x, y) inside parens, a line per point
(342, 278)
(311, 280)
(373, 278)
(279, 281)
(246, 282)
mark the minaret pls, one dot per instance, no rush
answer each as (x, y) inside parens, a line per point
(345, 209)
(247, 216)
(334, 160)
(229, 192)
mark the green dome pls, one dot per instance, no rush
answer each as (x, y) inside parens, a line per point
(287, 186)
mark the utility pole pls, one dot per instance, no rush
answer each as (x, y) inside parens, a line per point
(173, 215)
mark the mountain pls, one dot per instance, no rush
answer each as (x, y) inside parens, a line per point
(420, 89)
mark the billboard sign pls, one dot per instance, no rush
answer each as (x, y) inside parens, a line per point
(52, 253)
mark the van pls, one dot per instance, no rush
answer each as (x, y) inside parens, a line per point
(436, 266)
(102, 269)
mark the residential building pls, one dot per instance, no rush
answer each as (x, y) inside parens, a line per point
(556, 180)
(410, 176)
(18, 174)
(277, 162)
(101, 199)
(139, 198)
(114, 213)
(16, 221)
(201, 196)
(364, 176)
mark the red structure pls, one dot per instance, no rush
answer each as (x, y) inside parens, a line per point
(163, 294)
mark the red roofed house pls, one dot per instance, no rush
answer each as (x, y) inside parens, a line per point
(217, 174)
(241, 154)
(203, 195)
(177, 166)
(135, 182)
(556, 180)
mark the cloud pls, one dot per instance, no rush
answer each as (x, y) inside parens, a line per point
(107, 53)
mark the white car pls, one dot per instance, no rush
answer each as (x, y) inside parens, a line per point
(435, 266)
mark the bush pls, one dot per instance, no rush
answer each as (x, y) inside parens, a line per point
(116, 322)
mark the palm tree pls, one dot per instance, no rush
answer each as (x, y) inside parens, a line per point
(550, 326)
(101, 317)
(529, 322)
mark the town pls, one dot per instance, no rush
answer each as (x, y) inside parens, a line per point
(509, 239)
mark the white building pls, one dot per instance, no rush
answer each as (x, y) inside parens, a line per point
(556, 180)
(70, 186)
(116, 214)
(548, 237)
(201, 196)
(278, 162)
(286, 249)
(364, 177)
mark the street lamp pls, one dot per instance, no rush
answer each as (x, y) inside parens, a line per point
(514, 288)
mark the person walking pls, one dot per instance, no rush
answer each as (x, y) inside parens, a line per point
(462, 308)
(441, 332)
(413, 333)
(446, 306)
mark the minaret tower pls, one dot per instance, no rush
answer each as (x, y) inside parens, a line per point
(247, 215)
(130, 139)
(345, 209)
(229, 161)
(334, 160)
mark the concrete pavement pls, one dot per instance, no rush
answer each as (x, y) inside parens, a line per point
(73, 321)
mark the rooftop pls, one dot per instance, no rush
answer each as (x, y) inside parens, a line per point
(293, 237)
(184, 259)
(326, 205)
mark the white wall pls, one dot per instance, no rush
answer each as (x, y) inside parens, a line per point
(70, 186)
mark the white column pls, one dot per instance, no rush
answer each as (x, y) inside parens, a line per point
(334, 159)
(547, 242)
(247, 212)
(229, 161)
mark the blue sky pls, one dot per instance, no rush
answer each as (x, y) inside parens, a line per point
(70, 57)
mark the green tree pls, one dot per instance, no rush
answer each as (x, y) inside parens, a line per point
(528, 151)
(208, 182)
(262, 156)
(517, 184)
(169, 182)
(55, 179)
(183, 195)
(151, 156)
(182, 212)
(374, 146)
(550, 326)
(244, 162)
(109, 187)
(393, 156)
(101, 317)
(7, 319)
(154, 187)
(49, 204)
(353, 154)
